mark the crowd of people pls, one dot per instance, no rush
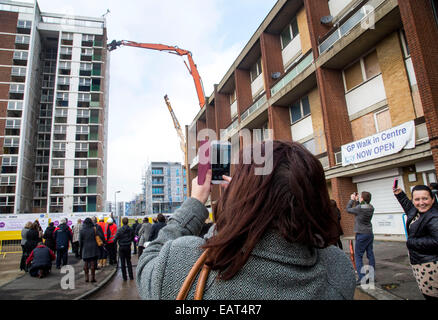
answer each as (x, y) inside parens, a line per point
(92, 240)
(275, 236)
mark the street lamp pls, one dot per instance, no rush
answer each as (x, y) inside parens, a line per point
(115, 205)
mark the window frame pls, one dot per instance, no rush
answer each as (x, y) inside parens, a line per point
(302, 115)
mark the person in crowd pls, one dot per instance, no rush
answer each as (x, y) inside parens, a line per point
(40, 231)
(156, 227)
(89, 250)
(124, 237)
(111, 245)
(48, 237)
(76, 232)
(40, 261)
(103, 249)
(422, 242)
(364, 238)
(338, 214)
(63, 235)
(32, 239)
(143, 235)
(136, 225)
(24, 255)
(273, 237)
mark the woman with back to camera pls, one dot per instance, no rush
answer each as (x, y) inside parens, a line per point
(422, 243)
(89, 250)
(272, 240)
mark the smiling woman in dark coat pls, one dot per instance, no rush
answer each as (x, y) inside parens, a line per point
(89, 249)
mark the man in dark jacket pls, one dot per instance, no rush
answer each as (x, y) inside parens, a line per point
(62, 235)
(157, 227)
(135, 229)
(363, 228)
(40, 261)
(124, 236)
(48, 236)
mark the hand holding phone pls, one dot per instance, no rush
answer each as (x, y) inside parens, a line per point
(395, 185)
(220, 159)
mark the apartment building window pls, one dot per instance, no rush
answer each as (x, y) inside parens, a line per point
(81, 164)
(81, 182)
(57, 182)
(256, 69)
(11, 142)
(20, 55)
(15, 105)
(310, 145)
(233, 104)
(16, 88)
(366, 68)
(382, 120)
(59, 146)
(13, 124)
(84, 97)
(24, 24)
(22, 39)
(300, 109)
(8, 180)
(289, 33)
(9, 161)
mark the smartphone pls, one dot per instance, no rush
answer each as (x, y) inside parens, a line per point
(395, 185)
(220, 159)
(204, 160)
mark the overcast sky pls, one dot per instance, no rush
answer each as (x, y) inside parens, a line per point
(140, 126)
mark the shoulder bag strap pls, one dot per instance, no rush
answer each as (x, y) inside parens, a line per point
(188, 282)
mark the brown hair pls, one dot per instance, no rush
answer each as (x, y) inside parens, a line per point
(292, 199)
(366, 196)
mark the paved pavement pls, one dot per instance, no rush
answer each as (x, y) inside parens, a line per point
(394, 279)
(69, 285)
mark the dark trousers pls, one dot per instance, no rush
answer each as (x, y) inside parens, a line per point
(112, 252)
(364, 242)
(24, 257)
(135, 247)
(75, 249)
(44, 269)
(61, 254)
(125, 257)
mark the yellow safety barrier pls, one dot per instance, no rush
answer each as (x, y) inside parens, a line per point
(10, 246)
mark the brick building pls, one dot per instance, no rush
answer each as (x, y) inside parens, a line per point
(332, 74)
(53, 111)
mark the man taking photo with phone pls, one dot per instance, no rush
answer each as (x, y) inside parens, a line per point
(363, 228)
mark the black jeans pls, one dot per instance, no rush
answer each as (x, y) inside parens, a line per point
(125, 257)
(61, 254)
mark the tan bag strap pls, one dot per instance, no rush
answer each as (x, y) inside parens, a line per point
(188, 282)
(199, 293)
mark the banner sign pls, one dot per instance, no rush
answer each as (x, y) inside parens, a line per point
(16, 222)
(380, 145)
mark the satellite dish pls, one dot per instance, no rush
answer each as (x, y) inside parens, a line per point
(326, 19)
(275, 75)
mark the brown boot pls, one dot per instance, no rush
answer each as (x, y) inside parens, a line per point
(93, 272)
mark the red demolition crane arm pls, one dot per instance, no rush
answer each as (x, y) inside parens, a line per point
(170, 49)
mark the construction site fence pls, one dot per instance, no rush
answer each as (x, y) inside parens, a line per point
(10, 246)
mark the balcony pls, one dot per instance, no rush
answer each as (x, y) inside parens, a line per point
(360, 15)
(293, 73)
(256, 105)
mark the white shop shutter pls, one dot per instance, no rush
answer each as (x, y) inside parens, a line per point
(382, 197)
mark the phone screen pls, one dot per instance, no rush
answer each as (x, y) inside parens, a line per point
(220, 160)
(204, 161)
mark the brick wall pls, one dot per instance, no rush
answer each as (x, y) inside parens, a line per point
(315, 9)
(342, 188)
(317, 120)
(395, 79)
(422, 34)
(243, 90)
(272, 60)
(8, 22)
(222, 110)
(279, 122)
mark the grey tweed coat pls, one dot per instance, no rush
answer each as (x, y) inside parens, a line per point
(276, 269)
